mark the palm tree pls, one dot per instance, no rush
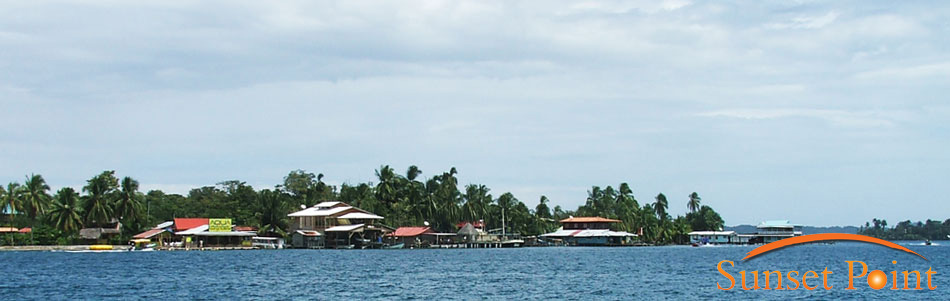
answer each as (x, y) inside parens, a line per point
(129, 204)
(693, 203)
(12, 201)
(36, 198)
(660, 206)
(273, 209)
(66, 214)
(98, 201)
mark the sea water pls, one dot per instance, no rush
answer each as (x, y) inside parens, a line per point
(578, 273)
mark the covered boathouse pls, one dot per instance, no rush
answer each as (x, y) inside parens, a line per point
(589, 231)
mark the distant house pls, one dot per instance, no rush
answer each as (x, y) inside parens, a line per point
(102, 234)
(336, 225)
(193, 233)
(770, 231)
(714, 237)
(590, 231)
(412, 236)
(767, 231)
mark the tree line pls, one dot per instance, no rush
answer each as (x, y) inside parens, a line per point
(404, 199)
(907, 230)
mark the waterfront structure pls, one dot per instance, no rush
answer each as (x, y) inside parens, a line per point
(770, 231)
(767, 231)
(336, 225)
(714, 237)
(198, 233)
(159, 234)
(412, 237)
(589, 231)
(101, 234)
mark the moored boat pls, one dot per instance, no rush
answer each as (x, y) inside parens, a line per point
(395, 246)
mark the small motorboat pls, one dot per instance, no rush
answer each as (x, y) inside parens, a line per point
(395, 246)
(927, 242)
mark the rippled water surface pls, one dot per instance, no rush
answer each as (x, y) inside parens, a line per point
(559, 273)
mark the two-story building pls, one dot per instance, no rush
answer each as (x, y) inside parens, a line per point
(336, 225)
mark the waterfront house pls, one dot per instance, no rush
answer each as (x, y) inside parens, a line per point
(589, 231)
(770, 231)
(160, 234)
(413, 236)
(101, 234)
(714, 237)
(194, 233)
(336, 225)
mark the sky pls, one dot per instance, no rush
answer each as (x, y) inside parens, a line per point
(821, 113)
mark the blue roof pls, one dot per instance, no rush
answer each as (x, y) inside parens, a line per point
(6, 210)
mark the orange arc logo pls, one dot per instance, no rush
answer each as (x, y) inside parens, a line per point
(825, 237)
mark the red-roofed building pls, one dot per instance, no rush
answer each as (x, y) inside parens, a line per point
(182, 224)
(412, 236)
(148, 234)
(585, 222)
(411, 231)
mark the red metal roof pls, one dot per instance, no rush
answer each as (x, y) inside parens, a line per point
(411, 231)
(245, 228)
(26, 230)
(148, 234)
(589, 219)
(182, 224)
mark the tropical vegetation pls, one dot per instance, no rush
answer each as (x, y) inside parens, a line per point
(907, 230)
(403, 198)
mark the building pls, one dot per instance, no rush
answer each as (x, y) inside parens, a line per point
(767, 231)
(198, 233)
(413, 237)
(589, 231)
(770, 231)
(713, 237)
(336, 225)
(101, 234)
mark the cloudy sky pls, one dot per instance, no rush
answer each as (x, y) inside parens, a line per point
(820, 113)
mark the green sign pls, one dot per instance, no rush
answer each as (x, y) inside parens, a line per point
(219, 225)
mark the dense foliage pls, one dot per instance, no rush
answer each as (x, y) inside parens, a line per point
(404, 199)
(907, 230)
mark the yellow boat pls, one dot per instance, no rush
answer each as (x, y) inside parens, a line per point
(100, 247)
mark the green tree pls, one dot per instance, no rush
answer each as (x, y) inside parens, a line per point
(542, 217)
(99, 199)
(272, 212)
(36, 198)
(12, 200)
(660, 206)
(66, 214)
(129, 202)
(693, 203)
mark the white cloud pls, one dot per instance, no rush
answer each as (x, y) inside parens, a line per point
(806, 22)
(937, 71)
(524, 96)
(834, 117)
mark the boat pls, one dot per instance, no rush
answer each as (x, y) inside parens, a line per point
(927, 242)
(395, 246)
(512, 243)
(345, 247)
(267, 242)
